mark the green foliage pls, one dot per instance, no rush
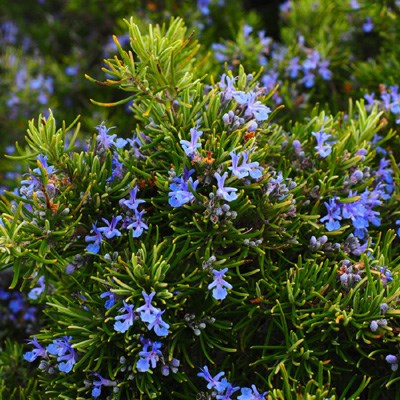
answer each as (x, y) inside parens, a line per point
(302, 297)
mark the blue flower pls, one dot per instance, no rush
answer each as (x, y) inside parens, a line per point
(219, 285)
(138, 224)
(39, 351)
(96, 391)
(251, 394)
(64, 352)
(135, 144)
(38, 290)
(384, 176)
(132, 203)
(111, 301)
(294, 67)
(160, 326)
(228, 193)
(97, 238)
(110, 230)
(323, 149)
(203, 5)
(230, 389)
(368, 25)
(147, 311)
(219, 52)
(191, 147)
(17, 304)
(393, 361)
(104, 140)
(333, 216)
(253, 169)
(213, 382)
(228, 87)
(149, 357)
(326, 74)
(253, 108)
(42, 162)
(386, 276)
(30, 185)
(308, 79)
(180, 193)
(117, 168)
(126, 320)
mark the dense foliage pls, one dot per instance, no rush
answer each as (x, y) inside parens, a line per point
(222, 223)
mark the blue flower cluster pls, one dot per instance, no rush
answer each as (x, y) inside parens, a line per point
(360, 211)
(223, 390)
(149, 314)
(389, 101)
(280, 64)
(15, 309)
(181, 189)
(61, 349)
(129, 221)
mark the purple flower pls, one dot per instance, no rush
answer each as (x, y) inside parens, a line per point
(17, 304)
(253, 108)
(111, 301)
(324, 149)
(29, 185)
(39, 351)
(393, 361)
(42, 163)
(228, 193)
(132, 203)
(126, 320)
(160, 326)
(251, 394)
(138, 224)
(219, 285)
(326, 74)
(202, 6)
(308, 79)
(191, 147)
(386, 276)
(333, 217)
(97, 238)
(312, 60)
(101, 382)
(228, 87)
(147, 311)
(294, 67)
(180, 193)
(104, 140)
(230, 389)
(110, 230)
(38, 290)
(117, 168)
(149, 357)
(213, 382)
(219, 52)
(368, 25)
(64, 352)
(253, 169)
